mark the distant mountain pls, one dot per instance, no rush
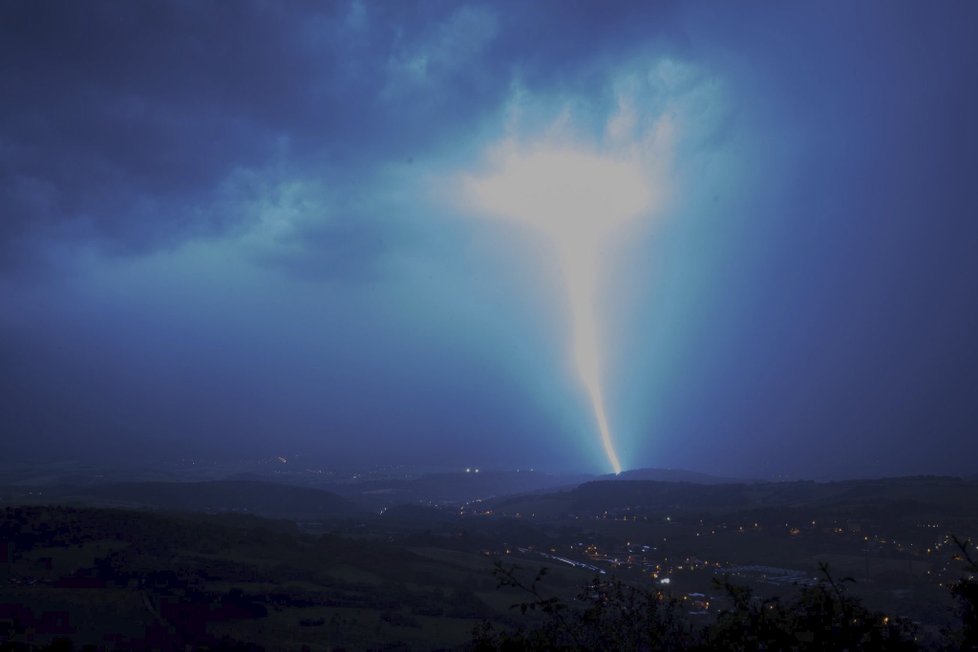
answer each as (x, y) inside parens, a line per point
(417, 516)
(454, 488)
(259, 498)
(926, 496)
(673, 475)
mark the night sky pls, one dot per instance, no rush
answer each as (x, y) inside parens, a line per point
(255, 228)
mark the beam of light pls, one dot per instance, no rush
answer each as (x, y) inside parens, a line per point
(577, 200)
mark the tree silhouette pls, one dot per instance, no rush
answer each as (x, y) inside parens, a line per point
(613, 615)
(966, 591)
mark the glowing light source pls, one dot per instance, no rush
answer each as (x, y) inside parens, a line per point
(577, 200)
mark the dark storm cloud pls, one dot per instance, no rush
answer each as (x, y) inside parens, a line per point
(124, 114)
(261, 167)
(120, 121)
(340, 249)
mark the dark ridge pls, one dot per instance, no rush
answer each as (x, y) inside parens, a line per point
(674, 475)
(259, 498)
(914, 495)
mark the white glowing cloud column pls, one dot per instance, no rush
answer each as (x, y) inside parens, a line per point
(577, 200)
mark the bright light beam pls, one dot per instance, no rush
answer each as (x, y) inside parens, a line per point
(577, 200)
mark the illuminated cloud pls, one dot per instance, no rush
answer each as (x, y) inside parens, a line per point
(227, 222)
(578, 198)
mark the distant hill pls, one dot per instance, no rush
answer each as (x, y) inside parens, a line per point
(926, 496)
(454, 487)
(259, 498)
(673, 475)
(417, 516)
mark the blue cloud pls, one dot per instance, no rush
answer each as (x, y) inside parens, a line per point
(239, 210)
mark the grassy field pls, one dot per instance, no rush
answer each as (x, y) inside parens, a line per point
(101, 576)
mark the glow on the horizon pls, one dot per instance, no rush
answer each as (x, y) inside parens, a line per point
(578, 200)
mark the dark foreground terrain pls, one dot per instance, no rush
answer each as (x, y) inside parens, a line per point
(629, 564)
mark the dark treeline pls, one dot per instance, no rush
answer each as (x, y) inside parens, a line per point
(611, 615)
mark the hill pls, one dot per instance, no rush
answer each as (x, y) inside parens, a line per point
(924, 497)
(452, 488)
(239, 496)
(672, 475)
